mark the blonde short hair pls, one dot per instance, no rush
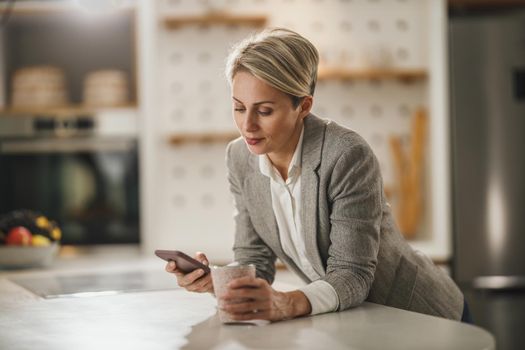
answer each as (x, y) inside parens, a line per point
(280, 57)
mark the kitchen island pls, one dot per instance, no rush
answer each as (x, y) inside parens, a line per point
(176, 319)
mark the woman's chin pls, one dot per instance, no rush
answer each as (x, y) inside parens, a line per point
(256, 149)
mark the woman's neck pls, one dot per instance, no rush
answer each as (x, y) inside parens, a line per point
(281, 159)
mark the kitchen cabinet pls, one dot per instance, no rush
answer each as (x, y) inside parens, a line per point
(72, 39)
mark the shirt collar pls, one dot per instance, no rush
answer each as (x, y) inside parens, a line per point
(266, 167)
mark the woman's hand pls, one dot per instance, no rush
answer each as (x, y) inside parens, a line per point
(261, 301)
(195, 281)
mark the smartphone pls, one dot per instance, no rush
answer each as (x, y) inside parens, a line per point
(184, 262)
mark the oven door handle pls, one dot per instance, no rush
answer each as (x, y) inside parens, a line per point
(66, 145)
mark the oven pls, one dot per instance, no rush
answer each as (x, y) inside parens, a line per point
(79, 170)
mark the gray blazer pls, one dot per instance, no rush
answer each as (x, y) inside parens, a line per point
(350, 235)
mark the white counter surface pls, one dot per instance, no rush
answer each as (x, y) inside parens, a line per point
(176, 319)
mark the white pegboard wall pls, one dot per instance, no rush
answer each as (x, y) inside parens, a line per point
(376, 110)
(358, 29)
(194, 96)
(197, 205)
(195, 93)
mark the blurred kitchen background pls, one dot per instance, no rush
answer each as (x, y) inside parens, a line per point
(114, 117)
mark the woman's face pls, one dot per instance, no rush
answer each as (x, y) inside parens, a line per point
(265, 116)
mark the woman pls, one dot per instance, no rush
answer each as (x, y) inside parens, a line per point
(309, 192)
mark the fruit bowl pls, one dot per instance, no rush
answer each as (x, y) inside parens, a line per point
(27, 239)
(19, 257)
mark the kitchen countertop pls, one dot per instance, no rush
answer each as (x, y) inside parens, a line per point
(176, 319)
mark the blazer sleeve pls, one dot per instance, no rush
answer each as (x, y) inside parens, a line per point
(355, 194)
(248, 246)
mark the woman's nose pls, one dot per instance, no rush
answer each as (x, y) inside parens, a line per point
(250, 122)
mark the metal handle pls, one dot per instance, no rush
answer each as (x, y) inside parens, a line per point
(499, 282)
(65, 145)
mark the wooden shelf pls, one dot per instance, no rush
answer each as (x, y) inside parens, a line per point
(35, 7)
(203, 138)
(215, 18)
(38, 7)
(60, 111)
(485, 4)
(405, 75)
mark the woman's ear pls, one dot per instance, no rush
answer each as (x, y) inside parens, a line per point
(305, 106)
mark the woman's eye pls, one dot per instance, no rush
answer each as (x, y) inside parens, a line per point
(238, 109)
(265, 113)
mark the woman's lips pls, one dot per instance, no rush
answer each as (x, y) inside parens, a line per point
(252, 142)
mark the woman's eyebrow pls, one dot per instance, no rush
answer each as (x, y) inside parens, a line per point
(256, 103)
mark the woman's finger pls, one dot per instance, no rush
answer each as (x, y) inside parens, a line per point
(245, 293)
(202, 258)
(192, 277)
(242, 282)
(199, 285)
(207, 286)
(170, 266)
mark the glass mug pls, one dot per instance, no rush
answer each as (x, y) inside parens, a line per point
(221, 276)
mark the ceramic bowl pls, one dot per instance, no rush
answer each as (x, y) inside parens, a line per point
(18, 257)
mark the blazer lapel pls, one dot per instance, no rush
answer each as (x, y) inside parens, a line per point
(311, 158)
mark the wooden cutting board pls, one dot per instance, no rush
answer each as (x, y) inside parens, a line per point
(408, 169)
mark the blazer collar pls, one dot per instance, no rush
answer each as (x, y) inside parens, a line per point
(313, 138)
(313, 141)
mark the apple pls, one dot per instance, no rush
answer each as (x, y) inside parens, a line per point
(19, 235)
